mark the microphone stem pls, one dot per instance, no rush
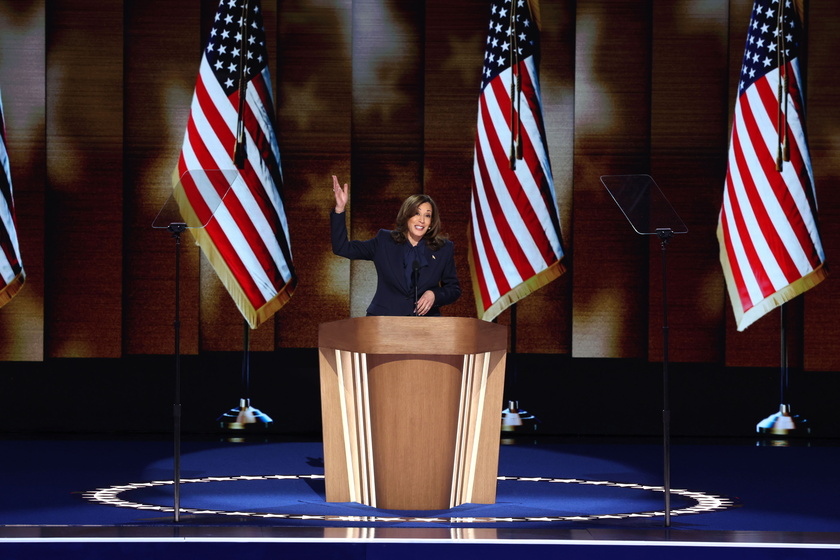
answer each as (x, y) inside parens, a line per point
(415, 276)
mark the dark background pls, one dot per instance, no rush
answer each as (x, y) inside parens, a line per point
(384, 94)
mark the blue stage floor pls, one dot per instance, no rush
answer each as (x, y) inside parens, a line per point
(735, 495)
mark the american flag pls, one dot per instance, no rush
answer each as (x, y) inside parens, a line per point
(12, 275)
(247, 239)
(515, 237)
(770, 245)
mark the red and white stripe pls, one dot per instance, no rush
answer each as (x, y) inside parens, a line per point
(515, 244)
(12, 275)
(247, 239)
(770, 246)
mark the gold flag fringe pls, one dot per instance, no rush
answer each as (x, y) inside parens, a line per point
(254, 316)
(745, 318)
(12, 288)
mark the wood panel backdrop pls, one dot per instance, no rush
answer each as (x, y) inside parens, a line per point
(383, 93)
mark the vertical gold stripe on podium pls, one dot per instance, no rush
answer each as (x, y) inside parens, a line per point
(474, 379)
(458, 459)
(365, 426)
(343, 363)
(465, 433)
(475, 423)
(361, 455)
(354, 400)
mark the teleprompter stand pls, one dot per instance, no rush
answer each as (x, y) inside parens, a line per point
(649, 213)
(176, 216)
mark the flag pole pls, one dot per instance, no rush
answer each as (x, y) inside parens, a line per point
(239, 149)
(515, 419)
(784, 422)
(244, 415)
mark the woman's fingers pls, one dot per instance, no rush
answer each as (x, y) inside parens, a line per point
(425, 303)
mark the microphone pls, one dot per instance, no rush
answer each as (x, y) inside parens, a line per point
(415, 276)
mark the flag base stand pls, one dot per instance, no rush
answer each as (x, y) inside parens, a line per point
(783, 423)
(244, 417)
(517, 420)
(517, 423)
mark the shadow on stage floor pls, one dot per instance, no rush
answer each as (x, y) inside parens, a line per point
(743, 497)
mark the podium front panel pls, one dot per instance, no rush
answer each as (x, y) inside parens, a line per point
(412, 431)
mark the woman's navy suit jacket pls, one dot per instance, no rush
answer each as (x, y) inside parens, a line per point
(394, 295)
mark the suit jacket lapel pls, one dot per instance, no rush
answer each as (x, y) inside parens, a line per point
(396, 262)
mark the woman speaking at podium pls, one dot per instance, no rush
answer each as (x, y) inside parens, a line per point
(415, 262)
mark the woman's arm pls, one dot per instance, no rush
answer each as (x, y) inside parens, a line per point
(341, 245)
(342, 196)
(449, 289)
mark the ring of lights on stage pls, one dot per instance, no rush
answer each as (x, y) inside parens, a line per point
(703, 502)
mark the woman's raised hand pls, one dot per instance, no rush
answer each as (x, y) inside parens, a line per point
(342, 195)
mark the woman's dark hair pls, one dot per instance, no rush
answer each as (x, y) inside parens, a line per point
(434, 238)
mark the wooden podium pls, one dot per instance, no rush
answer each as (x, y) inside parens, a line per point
(411, 410)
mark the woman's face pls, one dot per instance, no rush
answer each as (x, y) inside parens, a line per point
(419, 223)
